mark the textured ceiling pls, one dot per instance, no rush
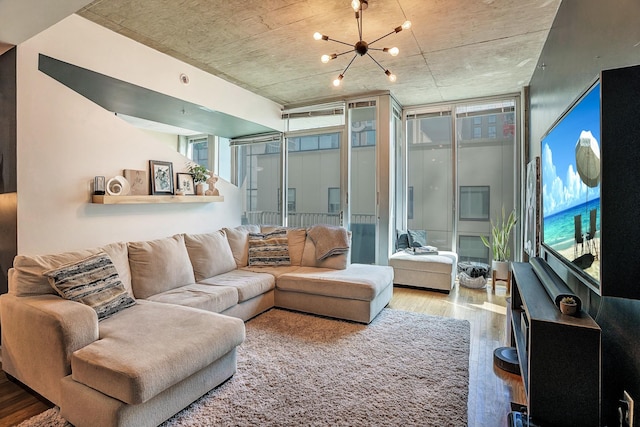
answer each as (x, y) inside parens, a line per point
(456, 49)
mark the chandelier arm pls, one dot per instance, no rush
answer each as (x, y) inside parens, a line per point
(377, 63)
(342, 53)
(359, 16)
(338, 41)
(349, 65)
(381, 49)
(380, 38)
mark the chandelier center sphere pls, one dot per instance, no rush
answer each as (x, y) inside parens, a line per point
(362, 47)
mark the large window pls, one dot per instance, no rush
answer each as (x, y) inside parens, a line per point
(430, 175)
(313, 166)
(198, 150)
(483, 150)
(258, 177)
(334, 200)
(474, 203)
(291, 200)
(362, 199)
(486, 170)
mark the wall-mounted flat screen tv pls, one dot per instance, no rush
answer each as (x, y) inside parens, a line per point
(570, 166)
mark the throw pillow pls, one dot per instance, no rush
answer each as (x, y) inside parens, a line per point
(417, 238)
(269, 249)
(93, 281)
(402, 240)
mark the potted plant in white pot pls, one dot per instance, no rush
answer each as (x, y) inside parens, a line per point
(499, 245)
(200, 175)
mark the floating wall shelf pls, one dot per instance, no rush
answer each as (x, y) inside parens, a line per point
(133, 200)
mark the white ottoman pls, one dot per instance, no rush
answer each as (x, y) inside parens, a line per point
(436, 272)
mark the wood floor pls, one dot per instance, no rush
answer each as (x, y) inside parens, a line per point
(491, 390)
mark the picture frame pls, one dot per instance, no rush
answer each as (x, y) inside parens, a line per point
(184, 182)
(161, 177)
(139, 180)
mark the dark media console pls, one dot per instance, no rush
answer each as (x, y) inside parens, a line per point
(559, 355)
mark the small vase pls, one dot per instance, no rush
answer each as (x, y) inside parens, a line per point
(200, 189)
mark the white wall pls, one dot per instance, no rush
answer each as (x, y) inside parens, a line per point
(64, 140)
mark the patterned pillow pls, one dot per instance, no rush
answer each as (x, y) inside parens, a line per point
(269, 249)
(93, 281)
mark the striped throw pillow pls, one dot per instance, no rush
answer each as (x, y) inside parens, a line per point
(93, 281)
(269, 249)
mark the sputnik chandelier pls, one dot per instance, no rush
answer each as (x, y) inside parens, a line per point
(362, 47)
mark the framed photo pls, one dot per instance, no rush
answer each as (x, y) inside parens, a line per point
(161, 177)
(185, 183)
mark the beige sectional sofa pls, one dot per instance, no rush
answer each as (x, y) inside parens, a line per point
(171, 317)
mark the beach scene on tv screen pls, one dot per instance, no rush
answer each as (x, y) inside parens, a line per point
(571, 185)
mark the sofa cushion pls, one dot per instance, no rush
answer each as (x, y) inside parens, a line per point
(93, 281)
(247, 283)
(239, 242)
(357, 281)
(275, 271)
(28, 269)
(211, 298)
(159, 265)
(336, 262)
(210, 254)
(269, 249)
(149, 347)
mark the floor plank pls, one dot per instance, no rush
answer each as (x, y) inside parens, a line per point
(491, 390)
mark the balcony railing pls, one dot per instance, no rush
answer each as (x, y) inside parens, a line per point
(304, 219)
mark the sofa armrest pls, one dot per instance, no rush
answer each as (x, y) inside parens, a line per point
(39, 334)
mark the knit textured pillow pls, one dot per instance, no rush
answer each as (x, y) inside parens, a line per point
(269, 249)
(93, 281)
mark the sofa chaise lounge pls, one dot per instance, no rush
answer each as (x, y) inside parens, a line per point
(166, 328)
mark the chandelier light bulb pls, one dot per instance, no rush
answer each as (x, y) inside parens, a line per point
(355, 4)
(338, 80)
(325, 59)
(392, 77)
(394, 51)
(317, 36)
(406, 25)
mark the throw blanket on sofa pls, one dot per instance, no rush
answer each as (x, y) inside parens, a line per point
(329, 240)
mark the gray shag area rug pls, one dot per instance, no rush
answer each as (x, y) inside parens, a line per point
(403, 369)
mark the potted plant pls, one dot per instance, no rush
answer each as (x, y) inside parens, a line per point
(200, 176)
(568, 306)
(499, 245)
